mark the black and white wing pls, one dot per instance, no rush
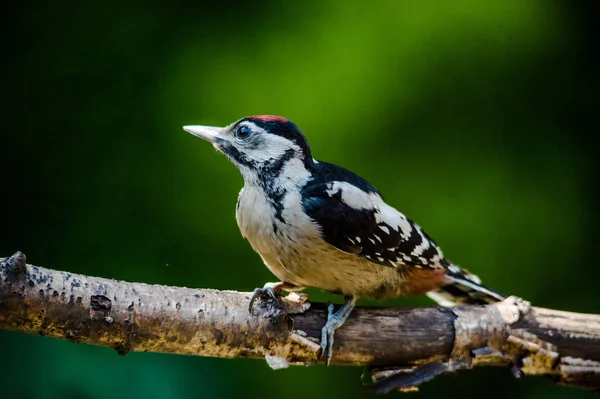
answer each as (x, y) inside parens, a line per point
(354, 218)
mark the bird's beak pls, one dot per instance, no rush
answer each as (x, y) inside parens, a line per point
(208, 133)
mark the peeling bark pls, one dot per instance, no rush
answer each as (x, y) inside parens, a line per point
(410, 346)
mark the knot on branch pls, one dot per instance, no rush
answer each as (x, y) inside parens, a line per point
(15, 266)
(485, 327)
(100, 307)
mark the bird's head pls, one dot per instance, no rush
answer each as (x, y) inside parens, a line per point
(259, 145)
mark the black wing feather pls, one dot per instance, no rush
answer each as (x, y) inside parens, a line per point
(339, 221)
(363, 231)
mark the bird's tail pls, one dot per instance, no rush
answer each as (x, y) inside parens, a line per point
(465, 289)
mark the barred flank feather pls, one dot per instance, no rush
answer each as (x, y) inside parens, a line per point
(466, 289)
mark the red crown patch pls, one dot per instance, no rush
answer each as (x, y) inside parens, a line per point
(268, 118)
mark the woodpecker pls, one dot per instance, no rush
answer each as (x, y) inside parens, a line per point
(318, 225)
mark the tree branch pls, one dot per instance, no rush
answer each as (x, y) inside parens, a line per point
(403, 347)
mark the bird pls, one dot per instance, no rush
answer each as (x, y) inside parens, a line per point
(319, 225)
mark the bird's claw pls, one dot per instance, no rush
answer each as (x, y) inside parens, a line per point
(269, 291)
(334, 321)
(327, 333)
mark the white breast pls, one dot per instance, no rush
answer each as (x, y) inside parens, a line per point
(294, 250)
(254, 213)
(283, 244)
(271, 238)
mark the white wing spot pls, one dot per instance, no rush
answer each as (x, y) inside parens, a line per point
(353, 196)
(372, 241)
(405, 226)
(453, 269)
(381, 259)
(377, 237)
(358, 240)
(385, 229)
(418, 250)
(396, 220)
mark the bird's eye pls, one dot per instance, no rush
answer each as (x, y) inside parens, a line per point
(243, 132)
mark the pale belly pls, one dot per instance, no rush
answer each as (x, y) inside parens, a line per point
(297, 255)
(322, 266)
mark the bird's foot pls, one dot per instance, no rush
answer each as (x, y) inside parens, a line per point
(270, 291)
(334, 321)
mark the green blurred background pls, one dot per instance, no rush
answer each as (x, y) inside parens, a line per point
(473, 118)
